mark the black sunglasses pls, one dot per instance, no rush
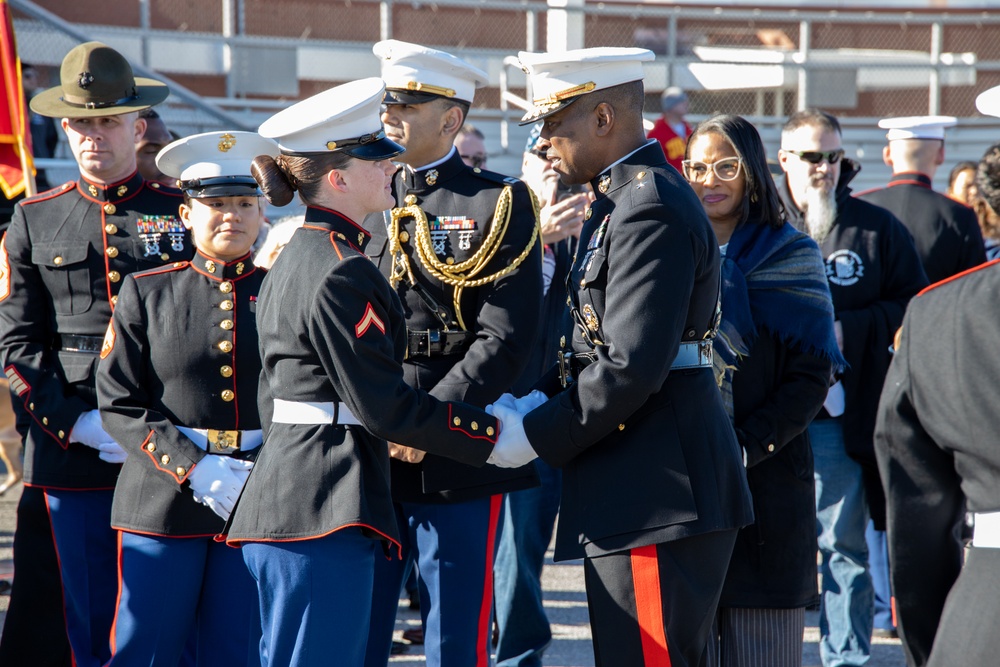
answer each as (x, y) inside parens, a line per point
(475, 160)
(815, 157)
(538, 153)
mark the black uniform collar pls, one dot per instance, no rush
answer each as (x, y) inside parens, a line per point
(216, 269)
(622, 172)
(911, 178)
(417, 182)
(345, 228)
(114, 192)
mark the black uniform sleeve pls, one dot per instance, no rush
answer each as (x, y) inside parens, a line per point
(123, 382)
(801, 389)
(31, 365)
(507, 315)
(350, 330)
(651, 265)
(925, 504)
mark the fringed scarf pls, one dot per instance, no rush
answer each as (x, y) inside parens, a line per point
(773, 279)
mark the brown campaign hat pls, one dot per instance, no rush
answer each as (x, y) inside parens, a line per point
(95, 80)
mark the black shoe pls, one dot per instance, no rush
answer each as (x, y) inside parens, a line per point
(885, 633)
(398, 648)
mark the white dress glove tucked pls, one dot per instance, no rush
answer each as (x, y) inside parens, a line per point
(111, 452)
(89, 431)
(216, 485)
(512, 449)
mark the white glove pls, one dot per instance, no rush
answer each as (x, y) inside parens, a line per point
(525, 404)
(215, 485)
(240, 468)
(529, 402)
(88, 430)
(111, 452)
(512, 449)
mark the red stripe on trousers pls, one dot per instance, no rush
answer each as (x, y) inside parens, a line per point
(486, 610)
(649, 606)
(118, 600)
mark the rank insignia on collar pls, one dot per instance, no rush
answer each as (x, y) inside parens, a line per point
(361, 238)
(122, 189)
(239, 268)
(431, 177)
(92, 189)
(210, 265)
(590, 318)
(604, 183)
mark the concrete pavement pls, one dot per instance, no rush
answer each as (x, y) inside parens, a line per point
(565, 601)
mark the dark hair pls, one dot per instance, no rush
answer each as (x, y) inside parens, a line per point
(814, 118)
(280, 177)
(148, 113)
(463, 106)
(988, 177)
(761, 202)
(625, 97)
(958, 169)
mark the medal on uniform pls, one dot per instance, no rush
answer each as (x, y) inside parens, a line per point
(590, 318)
(151, 229)
(598, 236)
(465, 227)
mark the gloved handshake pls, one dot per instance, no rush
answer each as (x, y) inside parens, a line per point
(513, 449)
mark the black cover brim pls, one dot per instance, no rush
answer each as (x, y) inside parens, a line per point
(409, 97)
(381, 149)
(224, 190)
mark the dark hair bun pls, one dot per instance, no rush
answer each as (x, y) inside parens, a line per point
(274, 182)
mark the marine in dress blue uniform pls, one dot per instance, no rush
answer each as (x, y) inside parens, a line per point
(461, 248)
(177, 386)
(946, 232)
(654, 488)
(63, 262)
(316, 512)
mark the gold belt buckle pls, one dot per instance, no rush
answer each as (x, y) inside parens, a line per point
(223, 442)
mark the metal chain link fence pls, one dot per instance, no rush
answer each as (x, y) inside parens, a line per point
(251, 57)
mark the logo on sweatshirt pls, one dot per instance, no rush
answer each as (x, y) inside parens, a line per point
(844, 268)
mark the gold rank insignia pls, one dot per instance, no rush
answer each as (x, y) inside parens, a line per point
(226, 142)
(239, 268)
(431, 177)
(92, 189)
(590, 317)
(604, 183)
(122, 189)
(210, 266)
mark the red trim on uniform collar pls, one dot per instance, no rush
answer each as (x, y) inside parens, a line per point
(234, 269)
(911, 178)
(112, 192)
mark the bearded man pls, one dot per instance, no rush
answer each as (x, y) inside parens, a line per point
(873, 269)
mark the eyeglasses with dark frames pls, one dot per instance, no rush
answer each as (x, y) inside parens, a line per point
(726, 169)
(815, 157)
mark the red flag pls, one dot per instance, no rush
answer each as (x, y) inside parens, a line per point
(16, 165)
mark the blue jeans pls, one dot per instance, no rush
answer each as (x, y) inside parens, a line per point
(847, 598)
(528, 519)
(878, 565)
